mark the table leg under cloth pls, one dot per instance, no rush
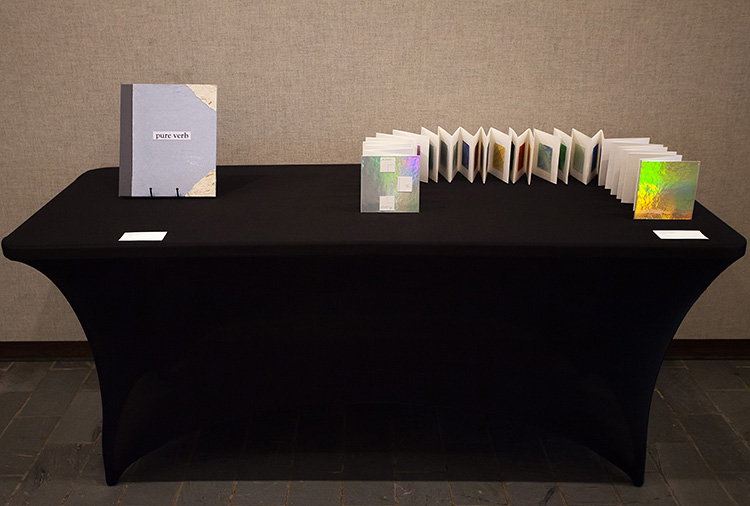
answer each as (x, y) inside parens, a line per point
(572, 345)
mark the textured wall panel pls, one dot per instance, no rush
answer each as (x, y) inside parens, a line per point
(305, 82)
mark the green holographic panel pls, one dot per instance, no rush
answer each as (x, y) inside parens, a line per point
(578, 156)
(561, 161)
(666, 190)
(389, 184)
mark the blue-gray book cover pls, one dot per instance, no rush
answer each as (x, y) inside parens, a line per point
(168, 140)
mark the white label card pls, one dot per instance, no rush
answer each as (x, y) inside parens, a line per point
(142, 236)
(680, 234)
(387, 164)
(388, 203)
(404, 184)
(171, 136)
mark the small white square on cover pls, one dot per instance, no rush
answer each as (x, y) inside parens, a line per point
(387, 164)
(404, 184)
(387, 203)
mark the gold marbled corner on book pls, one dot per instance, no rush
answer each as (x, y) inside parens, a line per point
(206, 93)
(206, 187)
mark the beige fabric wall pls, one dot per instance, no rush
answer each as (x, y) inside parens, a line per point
(303, 82)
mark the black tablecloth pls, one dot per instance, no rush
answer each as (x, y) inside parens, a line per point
(303, 210)
(547, 303)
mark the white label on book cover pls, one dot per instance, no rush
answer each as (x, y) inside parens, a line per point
(388, 164)
(404, 184)
(142, 236)
(171, 136)
(387, 203)
(680, 234)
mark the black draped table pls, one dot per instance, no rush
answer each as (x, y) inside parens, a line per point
(546, 303)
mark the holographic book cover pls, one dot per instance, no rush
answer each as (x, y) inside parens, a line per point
(666, 190)
(389, 184)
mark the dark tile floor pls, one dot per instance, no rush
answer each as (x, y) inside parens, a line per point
(50, 451)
